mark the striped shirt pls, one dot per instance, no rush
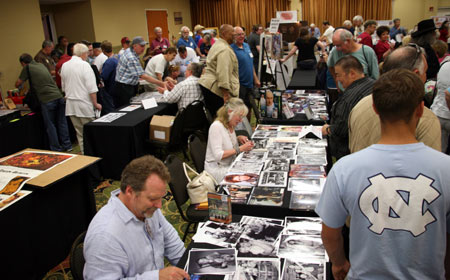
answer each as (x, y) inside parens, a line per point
(184, 93)
(340, 113)
(129, 68)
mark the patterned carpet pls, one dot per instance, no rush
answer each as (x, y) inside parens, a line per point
(102, 194)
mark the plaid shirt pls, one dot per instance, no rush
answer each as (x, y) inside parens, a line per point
(129, 68)
(184, 93)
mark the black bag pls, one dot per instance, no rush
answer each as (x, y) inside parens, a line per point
(31, 99)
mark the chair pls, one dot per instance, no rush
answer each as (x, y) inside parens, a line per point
(197, 150)
(177, 186)
(76, 258)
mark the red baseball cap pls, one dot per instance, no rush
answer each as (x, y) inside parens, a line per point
(125, 40)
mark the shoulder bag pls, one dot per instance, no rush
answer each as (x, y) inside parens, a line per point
(199, 187)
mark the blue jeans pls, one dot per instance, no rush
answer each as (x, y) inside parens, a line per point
(54, 115)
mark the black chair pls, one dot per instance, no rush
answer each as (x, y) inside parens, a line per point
(76, 258)
(197, 149)
(177, 186)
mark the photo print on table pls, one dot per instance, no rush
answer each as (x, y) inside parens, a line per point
(304, 201)
(267, 127)
(268, 196)
(241, 179)
(215, 261)
(239, 194)
(275, 179)
(251, 219)
(290, 128)
(260, 143)
(286, 154)
(246, 167)
(302, 269)
(307, 150)
(306, 185)
(252, 156)
(253, 248)
(307, 171)
(264, 134)
(311, 160)
(314, 142)
(277, 165)
(259, 229)
(284, 143)
(258, 269)
(288, 134)
(301, 246)
(302, 225)
(219, 234)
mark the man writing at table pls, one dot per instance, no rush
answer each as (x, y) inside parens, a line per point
(129, 237)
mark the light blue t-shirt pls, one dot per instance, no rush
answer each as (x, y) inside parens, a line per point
(398, 200)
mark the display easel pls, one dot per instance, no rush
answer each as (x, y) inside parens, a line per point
(273, 72)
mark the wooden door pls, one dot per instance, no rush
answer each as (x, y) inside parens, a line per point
(157, 18)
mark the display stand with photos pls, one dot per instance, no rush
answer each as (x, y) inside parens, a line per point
(272, 52)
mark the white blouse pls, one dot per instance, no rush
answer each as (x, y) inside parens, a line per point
(219, 140)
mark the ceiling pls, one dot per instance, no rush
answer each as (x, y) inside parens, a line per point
(54, 2)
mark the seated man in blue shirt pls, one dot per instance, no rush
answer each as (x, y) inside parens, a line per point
(396, 192)
(129, 237)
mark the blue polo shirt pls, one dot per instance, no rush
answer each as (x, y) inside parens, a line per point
(190, 43)
(245, 60)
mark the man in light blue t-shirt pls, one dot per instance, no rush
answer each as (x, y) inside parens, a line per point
(396, 192)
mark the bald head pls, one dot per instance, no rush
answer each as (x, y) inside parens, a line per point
(343, 40)
(410, 58)
(226, 32)
(239, 35)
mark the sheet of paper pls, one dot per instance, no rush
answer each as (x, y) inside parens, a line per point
(130, 108)
(110, 117)
(274, 24)
(149, 103)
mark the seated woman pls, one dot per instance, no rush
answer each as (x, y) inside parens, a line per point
(205, 44)
(383, 48)
(173, 73)
(305, 44)
(223, 145)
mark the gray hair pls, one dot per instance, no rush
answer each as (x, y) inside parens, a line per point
(184, 27)
(344, 35)
(47, 43)
(358, 17)
(196, 69)
(157, 29)
(403, 57)
(347, 23)
(80, 49)
(423, 40)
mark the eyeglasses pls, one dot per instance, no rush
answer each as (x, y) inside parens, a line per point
(239, 34)
(418, 52)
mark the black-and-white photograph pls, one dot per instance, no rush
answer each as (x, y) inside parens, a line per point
(246, 167)
(273, 179)
(219, 234)
(312, 159)
(282, 144)
(301, 246)
(252, 156)
(277, 165)
(260, 143)
(267, 196)
(260, 229)
(252, 248)
(264, 134)
(286, 154)
(215, 261)
(250, 219)
(301, 270)
(266, 127)
(314, 142)
(239, 194)
(305, 185)
(309, 150)
(302, 225)
(304, 201)
(258, 269)
(287, 134)
(241, 179)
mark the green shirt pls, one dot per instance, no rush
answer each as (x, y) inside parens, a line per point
(43, 83)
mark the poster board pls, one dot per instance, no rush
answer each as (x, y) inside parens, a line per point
(287, 16)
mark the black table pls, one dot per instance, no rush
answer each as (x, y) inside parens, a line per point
(298, 119)
(303, 79)
(26, 132)
(38, 230)
(122, 140)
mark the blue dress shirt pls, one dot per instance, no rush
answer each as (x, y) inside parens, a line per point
(117, 245)
(190, 43)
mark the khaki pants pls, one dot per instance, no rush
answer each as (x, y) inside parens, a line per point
(78, 124)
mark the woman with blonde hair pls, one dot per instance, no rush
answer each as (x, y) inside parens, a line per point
(223, 144)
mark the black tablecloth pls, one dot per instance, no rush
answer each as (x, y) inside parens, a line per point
(122, 140)
(303, 79)
(27, 132)
(298, 119)
(37, 232)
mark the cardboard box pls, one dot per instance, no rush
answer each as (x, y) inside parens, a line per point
(160, 128)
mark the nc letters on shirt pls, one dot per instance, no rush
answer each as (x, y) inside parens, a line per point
(398, 203)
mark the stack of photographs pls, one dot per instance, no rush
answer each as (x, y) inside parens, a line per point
(300, 99)
(238, 194)
(223, 235)
(211, 262)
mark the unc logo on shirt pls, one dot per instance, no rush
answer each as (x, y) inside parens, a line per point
(398, 203)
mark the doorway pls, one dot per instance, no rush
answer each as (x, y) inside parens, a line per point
(157, 18)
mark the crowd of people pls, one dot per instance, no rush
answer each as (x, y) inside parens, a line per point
(389, 147)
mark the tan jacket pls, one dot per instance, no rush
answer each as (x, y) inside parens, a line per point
(364, 127)
(222, 69)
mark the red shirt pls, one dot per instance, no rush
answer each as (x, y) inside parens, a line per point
(380, 48)
(365, 39)
(443, 33)
(63, 59)
(159, 46)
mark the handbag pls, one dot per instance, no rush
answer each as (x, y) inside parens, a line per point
(199, 187)
(31, 99)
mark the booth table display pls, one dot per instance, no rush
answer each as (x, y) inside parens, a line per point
(122, 140)
(38, 230)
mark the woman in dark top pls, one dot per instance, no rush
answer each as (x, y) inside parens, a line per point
(305, 45)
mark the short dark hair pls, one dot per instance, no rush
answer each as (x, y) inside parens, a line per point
(57, 52)
(326, 23)
(25, 58)
(47, 43)
(86, 43)
(256, 27)
(138, 170)
(381, 30)
(181, 49)
(196, 69)
(170, 50)
(369, 23)
(396, 95)
(106, 47)
(70, 49)
(350, 62)
(60, 38)
(396, 19)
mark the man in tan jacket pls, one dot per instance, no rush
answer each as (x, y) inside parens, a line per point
(220, 81)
